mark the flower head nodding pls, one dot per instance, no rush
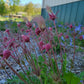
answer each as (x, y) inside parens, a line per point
(28, 24)
(39, 38)
(8, 31)
(5, 39)
(81, 37)
(41, 45)
(6, 54)
(47, 47)
(25, 38)
(66, 36)
(37, 31)
(18, 24)
(50, 28)
(71, 26)
(52, 16)
(60, 34)
(10, 43)
(22, 29)
(28, 30)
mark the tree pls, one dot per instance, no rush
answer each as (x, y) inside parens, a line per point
(29, 8)
(3, 9)
(14, 8)
(32, 9)
(14, 2)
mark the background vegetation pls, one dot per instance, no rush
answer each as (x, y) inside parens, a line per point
(13, 7)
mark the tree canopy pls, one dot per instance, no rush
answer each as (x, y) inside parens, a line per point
(32, 9)
(3, 9)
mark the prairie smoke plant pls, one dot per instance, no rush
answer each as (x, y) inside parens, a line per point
(37, 31)
(18, 24)
(71, 26)
(6, 54)
(47, 47)
(52, 16)
(40, 21)
(60, 34)
(28, 24)
(25, 38)
(50, 28)
(66, 36)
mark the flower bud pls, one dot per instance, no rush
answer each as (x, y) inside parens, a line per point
(25, 38)
(37, 31)
(28, 24)
(18, 24)
(66, 36)
(6, 54)
(47, 47)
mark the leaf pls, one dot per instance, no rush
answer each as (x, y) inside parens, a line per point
(71, 78)
(40, 59)
(82, 75)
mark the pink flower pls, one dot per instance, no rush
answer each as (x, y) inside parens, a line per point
(6, 54)
(47, 47)
(37, 31)
(7, 30)
(41, 43)
(52, 16)
(10, 43)
(28, 30)
(25, 38)
(28, 24)
(5, 39)
(39, 38)
(66, 36)
(60, 34)
(50, 28)
(18, 24)
(29, 34)
(22, 29)
(71, 26)
(81, 37)
(16, 45)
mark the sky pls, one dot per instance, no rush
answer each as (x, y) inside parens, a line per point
(23, 2)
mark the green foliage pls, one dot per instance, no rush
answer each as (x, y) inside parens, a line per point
(16, 80)
(64, 63)
(80, 42)
(81, 75)
(32, 9)
(3, 9)
(14, 8)
(71, 78)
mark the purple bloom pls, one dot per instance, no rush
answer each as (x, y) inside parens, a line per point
(62, 44)
(77, 28)
(59, 25)
(62, 38)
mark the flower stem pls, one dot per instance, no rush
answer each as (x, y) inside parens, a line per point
(59, 43)
(15, 72)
